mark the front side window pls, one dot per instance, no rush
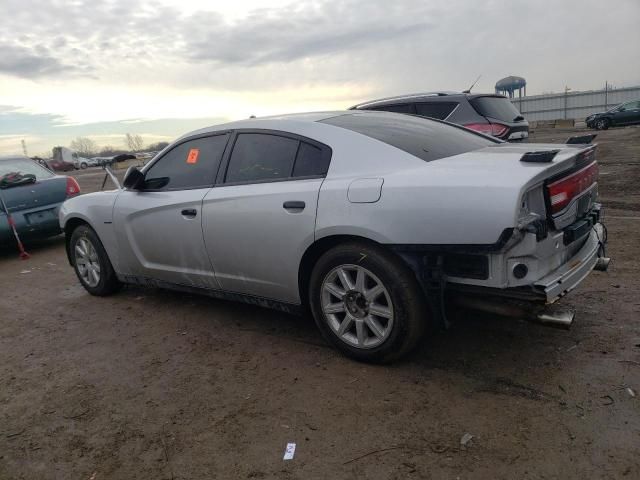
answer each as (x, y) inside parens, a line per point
(192, 164)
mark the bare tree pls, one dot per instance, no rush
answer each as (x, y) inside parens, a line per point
(84, 146)
(134, 142)
(156, 147)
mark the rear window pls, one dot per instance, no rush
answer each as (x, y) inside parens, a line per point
(499, 108)
(426, 139)
(19, 165)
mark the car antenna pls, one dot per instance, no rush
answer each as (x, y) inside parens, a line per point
(468, 90)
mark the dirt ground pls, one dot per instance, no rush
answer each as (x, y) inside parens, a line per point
(150, 384)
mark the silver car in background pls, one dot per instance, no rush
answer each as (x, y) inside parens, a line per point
(376, 221)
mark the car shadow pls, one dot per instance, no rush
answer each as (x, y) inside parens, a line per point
(487, 349)
(43, 245)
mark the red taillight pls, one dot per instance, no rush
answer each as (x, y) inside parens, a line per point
(495, 129)
(72, 187)
(562, 191)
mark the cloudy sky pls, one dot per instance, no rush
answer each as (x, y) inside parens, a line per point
(101, 68)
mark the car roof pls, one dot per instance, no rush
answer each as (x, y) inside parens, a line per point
(267, 122)
(13, 157)
(419, 96)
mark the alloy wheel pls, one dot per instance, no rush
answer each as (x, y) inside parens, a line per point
(357, 306)
(87, 262)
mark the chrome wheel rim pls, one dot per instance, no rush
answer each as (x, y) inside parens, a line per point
(87, 262)
(357, 306)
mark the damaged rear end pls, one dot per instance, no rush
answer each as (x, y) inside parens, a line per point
(557, 239)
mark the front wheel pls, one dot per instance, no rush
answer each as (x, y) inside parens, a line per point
(367, 302)
(91, 263)
(602, 124)
(83, 165)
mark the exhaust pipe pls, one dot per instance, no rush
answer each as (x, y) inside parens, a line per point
(602, 264)
(557, 318)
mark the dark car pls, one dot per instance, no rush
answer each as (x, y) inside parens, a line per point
(122, 157)
(623, 114)
(486, 113)
(33, 206)
(60, 165)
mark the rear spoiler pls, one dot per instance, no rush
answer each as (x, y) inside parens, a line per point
(586, 153)
(581, 139)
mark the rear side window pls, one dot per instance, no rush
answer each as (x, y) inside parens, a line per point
(439, 110)
(192, 164)
(310, 161)
(498, 108)
(399, 108)
(426, 139)
(260, 157)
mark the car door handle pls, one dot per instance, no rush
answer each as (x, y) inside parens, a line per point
(294, 205)
(189, 212)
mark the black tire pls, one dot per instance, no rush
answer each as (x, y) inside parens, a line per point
(108, 282)
(83, 165)
(410, 313)
(602, 124)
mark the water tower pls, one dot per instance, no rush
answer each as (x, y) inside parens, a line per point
(509, 85)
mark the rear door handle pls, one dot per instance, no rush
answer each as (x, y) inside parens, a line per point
(189, 212)
(294, 205)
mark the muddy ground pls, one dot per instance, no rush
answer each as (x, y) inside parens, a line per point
(152, 384)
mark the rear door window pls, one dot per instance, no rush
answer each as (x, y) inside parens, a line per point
(259, 157)
(192, 164)
(439, 110)
(498, 108)
(424, 138)
(398, 108)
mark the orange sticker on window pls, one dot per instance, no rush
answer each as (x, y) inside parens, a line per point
(193, 155)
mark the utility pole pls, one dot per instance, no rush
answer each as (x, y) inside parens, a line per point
(606, 94)
(24, 147)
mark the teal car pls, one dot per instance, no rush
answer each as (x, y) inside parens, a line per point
(34, 206)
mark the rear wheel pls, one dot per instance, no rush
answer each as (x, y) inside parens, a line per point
(602, 124)
(91, 263)
(367, 303)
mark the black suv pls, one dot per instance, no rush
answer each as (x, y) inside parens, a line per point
(486, 113)
(623, 114)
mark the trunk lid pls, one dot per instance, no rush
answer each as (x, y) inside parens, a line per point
(501, 164)
(42, 193)
(500, 167)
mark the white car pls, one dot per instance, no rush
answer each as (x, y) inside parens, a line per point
(377, 221)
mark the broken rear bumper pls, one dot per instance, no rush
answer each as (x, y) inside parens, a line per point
(568, 276)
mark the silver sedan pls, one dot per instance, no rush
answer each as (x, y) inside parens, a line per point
(363, 217)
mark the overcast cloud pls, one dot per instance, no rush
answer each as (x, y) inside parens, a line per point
(318, 54)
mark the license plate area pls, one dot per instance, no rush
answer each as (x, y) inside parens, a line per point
(41, 216)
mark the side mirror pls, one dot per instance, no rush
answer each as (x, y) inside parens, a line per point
(133, 178)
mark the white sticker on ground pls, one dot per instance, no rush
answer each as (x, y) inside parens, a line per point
(289, 451)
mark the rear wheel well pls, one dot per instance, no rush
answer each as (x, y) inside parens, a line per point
(319, 248)
(69, 227)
